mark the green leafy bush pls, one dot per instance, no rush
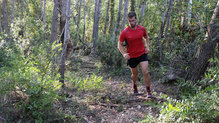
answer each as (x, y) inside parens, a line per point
(199, 101)
(27, 67)
(108, 53)
(92, 82)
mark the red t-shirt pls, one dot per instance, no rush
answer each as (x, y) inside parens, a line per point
(134, 38)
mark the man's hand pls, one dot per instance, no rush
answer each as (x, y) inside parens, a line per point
(126, 56)
(147, 50)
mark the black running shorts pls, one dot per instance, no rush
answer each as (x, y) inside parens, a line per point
(133, 62)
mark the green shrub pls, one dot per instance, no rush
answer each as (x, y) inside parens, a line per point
(92, 82)
(108, 53)
(199, 101)
(33, 76)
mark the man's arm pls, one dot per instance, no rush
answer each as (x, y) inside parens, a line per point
(121, 49)
(147, 44)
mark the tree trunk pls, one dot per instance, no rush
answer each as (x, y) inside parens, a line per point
(5, 17)
(169, 12)
(117, 21)
(62, 7)
(125, 14)
(44, 13)
(132, 5)
(66, 38)
(142, 11)
(42, 9)
(96, 23)
(183, 16)
(44, 19)
(162, 28)
(107, 17)
(84, 20)
(78, 21)
(0, 26)
(54, 29)
(111, 16)
(206, 50)
(189, 12)
(12, 11)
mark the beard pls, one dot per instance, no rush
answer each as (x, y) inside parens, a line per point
(133, 26)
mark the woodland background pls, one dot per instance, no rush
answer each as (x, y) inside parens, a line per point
(43, 44)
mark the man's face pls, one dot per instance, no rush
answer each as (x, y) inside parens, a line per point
(132, 22)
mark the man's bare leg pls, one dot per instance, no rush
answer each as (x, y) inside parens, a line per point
(144, 68)
(134, 77)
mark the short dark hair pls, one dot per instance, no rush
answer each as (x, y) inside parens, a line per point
(132, 14)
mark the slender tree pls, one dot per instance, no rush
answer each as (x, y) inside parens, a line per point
(162, 27)
(78, 19)
(66, 38)
(96, 23)
(117, 21)
(84, 20)
(54, 30)
(168, 18)
(62, 10)
(125, 14)
(42, 9)
(44, 18)
(5, 16)
(12, 11)
(107, 17)
(207, 48)
(0, 26)
(142, 10)
(44, 13)
(183, 15)
(111, 16)
(189, 11)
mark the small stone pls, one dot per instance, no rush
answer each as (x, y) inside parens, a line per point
(139, 107)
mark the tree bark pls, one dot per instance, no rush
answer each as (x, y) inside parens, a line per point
(162, 28)
(5, 16)
(169, 12)
(0, 26)
(189, 12)
(62, 7)
(12, 11)
(44, 19)
(206, 50)
(125, 14)
(54, 30)
(111, 15)
(84, 21)
(142, 11)
(41, 9)
(96, 23)
(183, 16)
(78, 21)
(66, 38)
(44, 13)
(107, 17)
(117, 21)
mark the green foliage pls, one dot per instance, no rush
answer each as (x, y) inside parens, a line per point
(108, 53)
(27, 67)
(198, 103)
(39, 84)
(92, 82)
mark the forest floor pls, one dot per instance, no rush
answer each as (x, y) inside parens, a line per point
(115, 102)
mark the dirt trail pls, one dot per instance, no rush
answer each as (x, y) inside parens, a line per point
(116, 103)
